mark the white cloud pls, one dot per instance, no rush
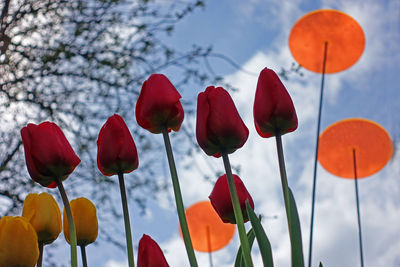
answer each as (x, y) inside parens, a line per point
(113, 263)
(335, 232)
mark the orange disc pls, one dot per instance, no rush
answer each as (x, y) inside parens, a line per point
(343, 35)
(371, 143)
(207, 231)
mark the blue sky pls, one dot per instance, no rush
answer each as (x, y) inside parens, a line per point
(254, 34)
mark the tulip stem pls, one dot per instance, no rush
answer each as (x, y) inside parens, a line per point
(244, 242)
(40, 259)
(178, 200)
(128, 232)
(71, 224)
(282, 169)
(83, 253)
(296, 244)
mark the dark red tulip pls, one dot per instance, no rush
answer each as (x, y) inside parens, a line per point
(273, 108)
(48, 154)
(219, 127)
(116, 150)
(158, 105)
(150, 254)
(222, 202)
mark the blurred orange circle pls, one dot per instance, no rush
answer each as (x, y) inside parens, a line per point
(207, 231)
(370, 141)
(343, 35)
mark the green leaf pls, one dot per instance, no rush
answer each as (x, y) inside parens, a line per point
(262, 239)
(239, 262)
(320, 264)
(295, 233)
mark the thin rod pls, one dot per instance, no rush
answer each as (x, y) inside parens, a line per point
(316, 153)
(209, 245)
(358, 208)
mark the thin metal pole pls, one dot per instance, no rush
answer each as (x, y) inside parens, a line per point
(358, 208)
(209, 245)
(316, 153)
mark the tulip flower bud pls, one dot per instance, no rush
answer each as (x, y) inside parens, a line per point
(273, 108)
(158, 105)
(222, 202)
(116, 150)
(85, 219)
(48, 154)
(150, 254)
(42, 211)
(18, 242)
(219, 127)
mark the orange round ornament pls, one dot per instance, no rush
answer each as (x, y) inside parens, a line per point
(207, 231)
(370, 143)
(343, 36)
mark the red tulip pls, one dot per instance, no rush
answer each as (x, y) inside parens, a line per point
(219, 127)
(222, 202)
(48, 154)
(273, 108)
(116, 150)
(158, 105)
(150, 254)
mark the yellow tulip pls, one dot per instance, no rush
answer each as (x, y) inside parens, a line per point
(85, 219)
(42, 211)
(18, 242)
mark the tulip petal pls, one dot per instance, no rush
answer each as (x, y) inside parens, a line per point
(116, 150)
(159, 105)
(48, 154)
(150, 254)
(222, 202)
(18, 242)
(219, 127)
(273, 108)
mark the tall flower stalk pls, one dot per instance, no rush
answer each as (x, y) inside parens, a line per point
(116, 155)
(221, 131)
(238, 212)
(71, 224)
(178, 200)
(275, 115)
(128, 232)
(291, 210)
(159, 110)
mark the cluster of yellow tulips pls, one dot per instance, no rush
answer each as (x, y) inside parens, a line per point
(22, 237)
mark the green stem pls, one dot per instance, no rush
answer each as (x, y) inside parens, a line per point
(128, 233)
(40, 259)
(83, 253)
(178, 200)
(291, 211)
(282, 169)
(71, 224)
(244, 242)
